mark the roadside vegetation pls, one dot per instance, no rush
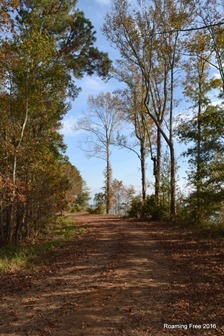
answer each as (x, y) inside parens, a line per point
(172, 93)
(45, 46)
(23, 254)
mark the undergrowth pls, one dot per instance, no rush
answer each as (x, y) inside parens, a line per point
(204, 229)
(212, 231)
(20, 255)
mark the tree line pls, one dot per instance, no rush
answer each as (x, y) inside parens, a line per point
(45, 46)
(166, 47)
(169, 49)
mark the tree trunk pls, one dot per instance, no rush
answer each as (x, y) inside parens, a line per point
(172, 182)
(14, 177)
(198, 159)
(171, 144)
(108, 182)
(1, 222)
(143, 169)
(158, 166)
(13, 202)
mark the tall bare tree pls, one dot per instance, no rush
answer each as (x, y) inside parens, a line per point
(135, 113)
(148, 36)
(101, 121)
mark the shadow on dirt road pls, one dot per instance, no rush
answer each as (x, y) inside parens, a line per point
(121, 278)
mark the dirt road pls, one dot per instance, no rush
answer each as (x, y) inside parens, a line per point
(121, 278)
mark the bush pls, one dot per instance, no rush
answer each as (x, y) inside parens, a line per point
(136, 207)
(98, 210)
(74, 208)
(153, 210)
(208, 217)
(148, 209)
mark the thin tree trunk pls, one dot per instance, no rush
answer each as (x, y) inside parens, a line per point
(1, 221)
(108, 182)
(198, 176)
(143, 169)
(172, 182)
(14, 178)
(158, 166)
(13, 202)
(171, 143)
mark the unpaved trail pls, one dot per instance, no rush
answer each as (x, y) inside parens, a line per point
(121, 277)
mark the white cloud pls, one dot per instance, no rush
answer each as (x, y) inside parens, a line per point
(216, 76)
(93, 85)
(67, 128)
(103, 2)
(216, 102)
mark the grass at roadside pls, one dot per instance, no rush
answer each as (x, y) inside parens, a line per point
(18, 256)
(207, 229)
(212, 231)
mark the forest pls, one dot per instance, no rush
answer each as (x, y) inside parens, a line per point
(166, 47)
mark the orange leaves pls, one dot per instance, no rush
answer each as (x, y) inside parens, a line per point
(7, 187)
(6, 8)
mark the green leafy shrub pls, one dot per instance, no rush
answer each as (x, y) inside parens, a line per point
(149, 209)
(136, 207)
(153, 210)
(73, 207)
(98, 210)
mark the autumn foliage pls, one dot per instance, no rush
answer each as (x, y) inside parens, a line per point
(37, 59)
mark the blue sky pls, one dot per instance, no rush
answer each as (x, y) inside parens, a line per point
(125, 164)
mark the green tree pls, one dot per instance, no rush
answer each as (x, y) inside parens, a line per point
(75, 182)
(28, 93)
(99, 204)
(99, 199)
(197, 88)
(51, 43)
(72, 32)
(204, 133)
(207, 184)
(83, 197)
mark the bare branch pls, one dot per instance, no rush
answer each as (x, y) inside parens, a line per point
(207, 26)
